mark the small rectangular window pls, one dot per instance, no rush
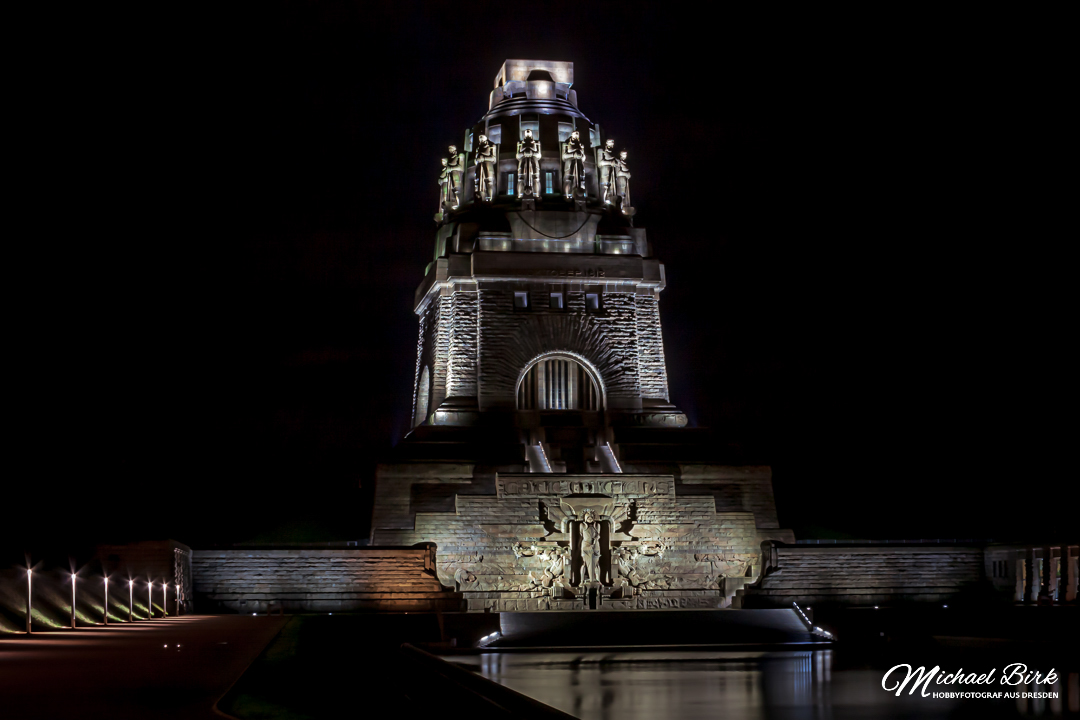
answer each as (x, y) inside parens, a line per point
(549, 182)
(564, 131)
(556, 301)
(494, 134)
(594, 136)
(469, 143)
(530, 122)
(509, 183)
(592, 302)
(521, 300)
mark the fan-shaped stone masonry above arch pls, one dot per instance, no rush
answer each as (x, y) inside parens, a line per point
(510, 341)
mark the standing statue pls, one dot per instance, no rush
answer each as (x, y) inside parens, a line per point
(622, 177)
(607, 163)
(444, 183)
(485, 169)
(573, 157)
(456, 166)
(590, 547)
(528, 156)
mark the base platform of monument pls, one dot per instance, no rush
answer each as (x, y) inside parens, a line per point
(591, 628)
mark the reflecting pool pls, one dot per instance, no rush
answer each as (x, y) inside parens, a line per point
(626, 685)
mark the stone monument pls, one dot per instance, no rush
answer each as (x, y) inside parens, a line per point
(546, 462)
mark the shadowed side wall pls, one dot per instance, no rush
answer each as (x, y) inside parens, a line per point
(865, 575)
(319, 580)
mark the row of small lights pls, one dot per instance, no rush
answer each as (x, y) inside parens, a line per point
(816, 630)
(488, 638)
(131, 598)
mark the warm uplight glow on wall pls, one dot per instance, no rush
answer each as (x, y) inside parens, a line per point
(29, 594)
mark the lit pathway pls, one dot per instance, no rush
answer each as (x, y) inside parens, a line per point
(165, 668)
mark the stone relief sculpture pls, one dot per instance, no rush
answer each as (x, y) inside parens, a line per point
(486, 155)
(606, 162)
(628, 574)
(528, 156)
(590, 547)
(456, 167)
(521, 551)
(553, 575)
(573, 157)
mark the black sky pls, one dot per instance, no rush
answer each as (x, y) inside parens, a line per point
(234, 346)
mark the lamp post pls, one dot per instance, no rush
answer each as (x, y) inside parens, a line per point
(29, 592)
(106, 599)
(150, 605)
(131, 600)
(178, 598)
(165, 599)
(72, 601)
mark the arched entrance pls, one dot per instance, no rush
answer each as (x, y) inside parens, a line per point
(559, 381)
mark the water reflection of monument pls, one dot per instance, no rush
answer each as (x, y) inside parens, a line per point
(546, 461)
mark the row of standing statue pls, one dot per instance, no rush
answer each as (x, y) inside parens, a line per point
(614, 174)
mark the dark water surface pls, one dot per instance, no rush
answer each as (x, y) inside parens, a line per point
(627, 685)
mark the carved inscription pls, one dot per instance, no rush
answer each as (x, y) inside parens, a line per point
(514, 487)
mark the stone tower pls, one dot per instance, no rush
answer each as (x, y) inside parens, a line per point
(546, 460)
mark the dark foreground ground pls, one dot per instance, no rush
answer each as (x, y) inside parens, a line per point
(322, 666)
(165, 668)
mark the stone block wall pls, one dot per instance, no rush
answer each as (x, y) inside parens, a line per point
(476, 344)
(319, 580)
(745, 488)
(651, 363)
(865, 575)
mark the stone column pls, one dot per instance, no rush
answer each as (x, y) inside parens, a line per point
(1064, 579)
(1029, 574)
(1047, 589)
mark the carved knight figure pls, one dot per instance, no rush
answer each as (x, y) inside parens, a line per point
(590, 547)
(573, 157)
(444, 182)
(456, 166)
(485, 169)
(528, 156)
(622, 178)
(607, 162)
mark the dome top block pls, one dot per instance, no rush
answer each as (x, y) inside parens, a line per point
(519, 70)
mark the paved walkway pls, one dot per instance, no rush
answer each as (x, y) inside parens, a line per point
(165, 668)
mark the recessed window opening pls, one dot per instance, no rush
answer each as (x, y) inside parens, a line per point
(565, 129)
(521, 300)
(558, 383)
(592, 302)
(549, 182)
(530, 122)
(556, 302)
(509, 183)
(494, 134)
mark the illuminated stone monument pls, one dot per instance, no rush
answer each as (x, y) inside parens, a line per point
(546, 462)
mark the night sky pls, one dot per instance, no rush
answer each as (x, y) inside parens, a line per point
(229, 346)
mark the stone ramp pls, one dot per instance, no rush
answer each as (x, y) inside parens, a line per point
(644, 627)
